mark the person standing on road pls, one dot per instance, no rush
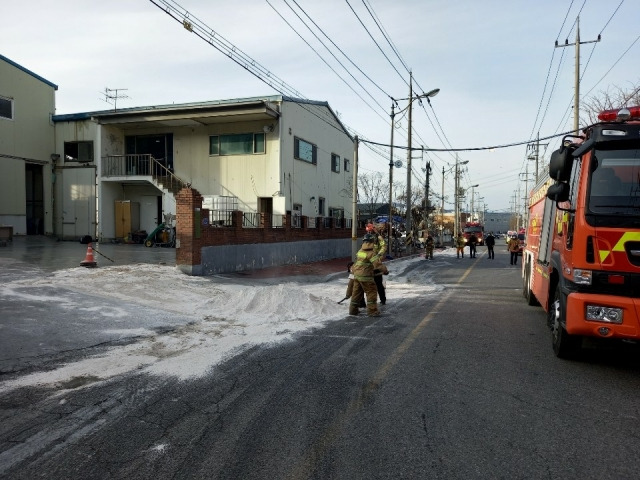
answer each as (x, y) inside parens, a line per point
(367, 260)
(460, 246)
(473, 240)
(514, 248)
(428, 244)
(490, 242)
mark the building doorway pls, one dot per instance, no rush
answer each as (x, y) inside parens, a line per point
(34, 188)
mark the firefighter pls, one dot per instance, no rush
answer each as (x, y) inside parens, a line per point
(514, 248)
(367, 260)
(460, 246)
(490, 241)
(428, 244)
(380, 244)
(473, 240)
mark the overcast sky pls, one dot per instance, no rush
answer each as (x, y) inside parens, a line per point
(501, 79)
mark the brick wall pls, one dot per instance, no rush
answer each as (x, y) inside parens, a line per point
(193, 234)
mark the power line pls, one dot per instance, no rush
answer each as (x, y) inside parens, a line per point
(342, 52)
(322, 58)
(376, 43)
(470, 149)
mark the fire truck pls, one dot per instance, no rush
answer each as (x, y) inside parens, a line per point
(474, 228)
(581, 261)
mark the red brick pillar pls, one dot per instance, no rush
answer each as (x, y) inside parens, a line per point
(236, 220)
(188, 247)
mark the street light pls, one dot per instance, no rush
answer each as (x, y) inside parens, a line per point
(431, 93)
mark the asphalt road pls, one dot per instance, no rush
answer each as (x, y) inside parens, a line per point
(458, 384)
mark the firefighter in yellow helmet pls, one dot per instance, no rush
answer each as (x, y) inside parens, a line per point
(460, 243)
(367, 260)
(377, 230)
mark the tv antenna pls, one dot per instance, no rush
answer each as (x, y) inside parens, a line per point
(112, 95)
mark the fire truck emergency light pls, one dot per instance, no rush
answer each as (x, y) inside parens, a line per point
(620, 114)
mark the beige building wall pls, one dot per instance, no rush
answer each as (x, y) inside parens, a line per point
(75, 209)
(26, 146)
(305, 183)
(274, 177)
(246, 177)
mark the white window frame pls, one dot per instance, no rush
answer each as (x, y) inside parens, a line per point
(335, 163)
(254, 147)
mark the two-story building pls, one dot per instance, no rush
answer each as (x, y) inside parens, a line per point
(27, 150)
(269, 154)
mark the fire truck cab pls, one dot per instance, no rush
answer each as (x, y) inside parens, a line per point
(476, 229)
(581, 262)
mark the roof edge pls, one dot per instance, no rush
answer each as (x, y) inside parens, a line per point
(26, 70)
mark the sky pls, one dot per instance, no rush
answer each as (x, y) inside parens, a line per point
(502, 81)
(221, 318)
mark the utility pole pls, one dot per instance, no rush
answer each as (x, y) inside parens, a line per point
(576, 100)
(354, 205)
(442, 212)
(535, 155)
(426, 196)
(408, 226)
(455, 202)
(390, 216)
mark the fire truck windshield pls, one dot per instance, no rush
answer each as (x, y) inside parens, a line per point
(615, 183)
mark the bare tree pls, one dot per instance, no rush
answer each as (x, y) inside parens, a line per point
(371, 191)
(614, 97)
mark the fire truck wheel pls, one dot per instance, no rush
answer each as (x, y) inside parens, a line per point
(564, 345)
(526, 291)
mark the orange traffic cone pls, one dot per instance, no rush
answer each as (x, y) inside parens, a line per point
(89, 261)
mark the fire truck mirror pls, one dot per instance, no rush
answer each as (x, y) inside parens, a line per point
(558, 192)
(560, 164)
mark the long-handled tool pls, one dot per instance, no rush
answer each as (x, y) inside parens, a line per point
(343, 299)
(112, 261)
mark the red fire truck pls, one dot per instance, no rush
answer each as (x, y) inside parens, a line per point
(581, 261)
(474, 228)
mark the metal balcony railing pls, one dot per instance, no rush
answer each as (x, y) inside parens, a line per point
(141, 165)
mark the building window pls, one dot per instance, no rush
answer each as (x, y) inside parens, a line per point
(6, 108)
(347, 165)
(321, 206)
(303, 150)
(78, 152)
(335, 163)
(336, 212)
(237, 144)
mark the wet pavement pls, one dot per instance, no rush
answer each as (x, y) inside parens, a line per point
(50, 255)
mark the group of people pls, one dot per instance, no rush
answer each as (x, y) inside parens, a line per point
(513, 246)
(365, 274)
